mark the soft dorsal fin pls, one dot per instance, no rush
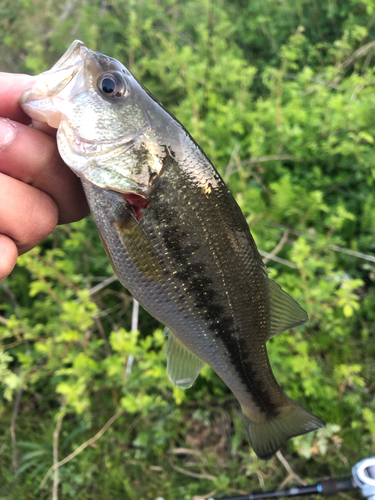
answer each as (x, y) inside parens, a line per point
(183, 366)
(285, 312)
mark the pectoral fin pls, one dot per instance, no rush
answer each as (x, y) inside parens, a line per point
(138, 246)
(285, 312)
(183, 366)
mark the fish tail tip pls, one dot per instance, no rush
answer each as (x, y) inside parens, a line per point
(269, 435)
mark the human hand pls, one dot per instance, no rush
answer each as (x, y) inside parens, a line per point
(37, 189)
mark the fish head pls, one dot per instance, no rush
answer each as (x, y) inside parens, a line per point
(111, 131)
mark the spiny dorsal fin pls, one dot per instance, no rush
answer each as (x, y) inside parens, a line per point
(183, 366)
(285, 312)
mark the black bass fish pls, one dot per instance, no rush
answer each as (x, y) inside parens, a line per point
(174, 234)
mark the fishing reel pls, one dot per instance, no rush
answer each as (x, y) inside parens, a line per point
(364, 477)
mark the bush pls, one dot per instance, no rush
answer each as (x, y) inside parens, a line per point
(280, 96)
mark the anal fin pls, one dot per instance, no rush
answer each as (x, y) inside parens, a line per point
(183, 366)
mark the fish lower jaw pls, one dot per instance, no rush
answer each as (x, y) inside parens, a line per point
(91, 149)
(43, 111)
(104, 150)
(86, 148)
(102, 178)
(97, 162)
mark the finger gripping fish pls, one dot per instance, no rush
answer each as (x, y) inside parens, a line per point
(174, 234)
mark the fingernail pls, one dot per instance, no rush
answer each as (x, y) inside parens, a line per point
(8, 131)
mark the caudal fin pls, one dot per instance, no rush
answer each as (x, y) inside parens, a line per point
(268, 435)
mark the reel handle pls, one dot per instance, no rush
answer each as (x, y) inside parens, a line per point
(364, 477)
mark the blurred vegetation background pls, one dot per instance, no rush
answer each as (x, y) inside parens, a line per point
(280, 95)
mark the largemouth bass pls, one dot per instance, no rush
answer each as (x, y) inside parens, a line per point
(174, 234)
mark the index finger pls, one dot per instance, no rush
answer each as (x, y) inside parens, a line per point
(11, 88)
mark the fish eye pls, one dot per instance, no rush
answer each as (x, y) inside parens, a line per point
(111, 85)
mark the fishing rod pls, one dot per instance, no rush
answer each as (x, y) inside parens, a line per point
(362, 479)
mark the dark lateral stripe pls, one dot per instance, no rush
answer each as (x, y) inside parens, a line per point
(199, 286)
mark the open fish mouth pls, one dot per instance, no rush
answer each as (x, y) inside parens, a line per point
(46, 100)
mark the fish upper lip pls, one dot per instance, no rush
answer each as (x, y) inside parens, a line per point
(49, 84)
(30, 96)
(75, 48)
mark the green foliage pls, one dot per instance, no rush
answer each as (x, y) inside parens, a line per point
(280, 96)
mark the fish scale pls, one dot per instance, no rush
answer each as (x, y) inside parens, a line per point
(174, 234)
(238, 302)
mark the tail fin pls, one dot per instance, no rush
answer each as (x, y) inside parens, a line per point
(267, 436)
